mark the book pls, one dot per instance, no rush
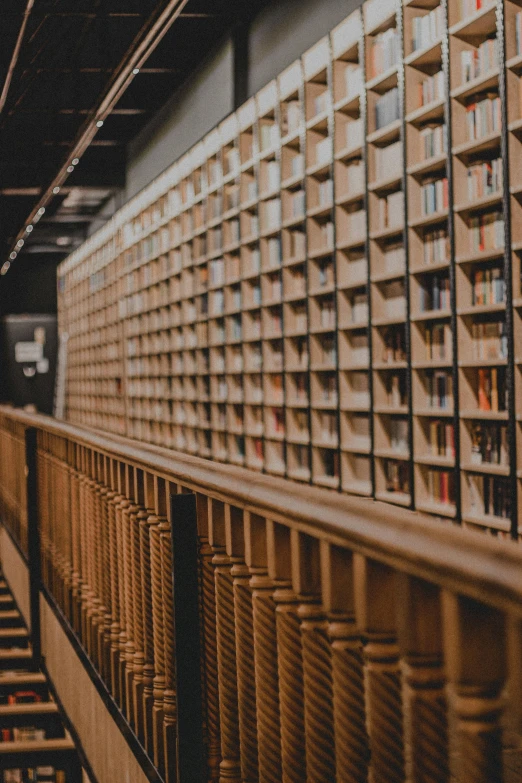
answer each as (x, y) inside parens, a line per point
(385, 50)
(427, 29)
(478, 61)
(387, 108)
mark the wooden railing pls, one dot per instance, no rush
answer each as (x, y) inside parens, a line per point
(339, 637)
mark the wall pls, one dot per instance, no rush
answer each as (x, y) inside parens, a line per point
(284, 30)
(277, 36)
(188, 115)
(30, 286)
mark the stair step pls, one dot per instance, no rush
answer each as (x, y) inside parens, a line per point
(36, 708)
(21, 678)
(10, 617)
(39, 746)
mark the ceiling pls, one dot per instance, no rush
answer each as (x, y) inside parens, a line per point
(78, 80)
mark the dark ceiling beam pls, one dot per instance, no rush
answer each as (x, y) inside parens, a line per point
(150, 35)
(59, 218)
(20, 192)
(44, 110)
(53, 248)
(150, 70)
(16, 53)
(94, 143)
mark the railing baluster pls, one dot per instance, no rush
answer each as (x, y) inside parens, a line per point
(146, 526)
(158, 632)
(169, 696)
(375, 605)
(230, 766)
(208, 632)
(246, 683)
(317, 664)
(475, 647)
(290, 655)
(426, 710)
(351, 737)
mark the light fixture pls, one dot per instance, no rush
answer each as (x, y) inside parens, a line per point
(29, 228)
(63, 241)
(70, 169)
(13, 255)
(41, 210)
(20, 243)
(5, 268)
(75, 161)
(56, 190)
(99, 123)
(135, 71)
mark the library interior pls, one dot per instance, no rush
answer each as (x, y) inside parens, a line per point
(261, 391)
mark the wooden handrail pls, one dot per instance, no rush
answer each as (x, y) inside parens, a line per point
(334, 631)
(483, 568)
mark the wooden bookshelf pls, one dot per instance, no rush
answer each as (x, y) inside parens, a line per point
(327, 287)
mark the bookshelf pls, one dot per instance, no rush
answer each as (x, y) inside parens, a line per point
(327, 287)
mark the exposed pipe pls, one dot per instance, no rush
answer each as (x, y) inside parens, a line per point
(16, 53)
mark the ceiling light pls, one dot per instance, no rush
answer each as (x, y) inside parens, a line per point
(5, 268)
(29, 229)
(75, 161)
(41, 210)
(99, 123)
(70, 169)
(56, 190)
(20, 243)
(63, 241)
(135, 71)
(13, 255)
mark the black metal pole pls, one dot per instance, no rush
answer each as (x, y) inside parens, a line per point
(33, 541)
(191, 749)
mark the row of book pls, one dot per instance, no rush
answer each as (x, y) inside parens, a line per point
(290, 117)
(489, 340)
(491, 389)
(433, 140)
(476, 62)
(398, 432)
(486, 231)
(40, 774)
(489, 495)
(394, 348)
(354, 79)
(483, 117)
(441, 486)
(434, 195)
(20, 697)
(391, 210)
(22, 734)
(385, 51)
(432, 88)
(484, 179)
(435, 293)
(427, 29)
(438, 342)
(387, 108)
(388, 160)
(470, 7)
(489, 444)
(436, 246)
(439, 388)
(488, 286)
(396, 474)
(441, 438)
(396, 394)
